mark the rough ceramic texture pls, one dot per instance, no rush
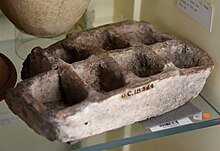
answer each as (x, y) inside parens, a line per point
(105, 78)
(44, 18)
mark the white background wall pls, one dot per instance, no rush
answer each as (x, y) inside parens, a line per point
(165, 15)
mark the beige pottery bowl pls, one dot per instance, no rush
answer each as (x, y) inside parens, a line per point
(44, 18)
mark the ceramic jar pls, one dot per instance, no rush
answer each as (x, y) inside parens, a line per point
(44, 18)
(8, 75)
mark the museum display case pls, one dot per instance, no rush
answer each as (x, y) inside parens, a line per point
(16, 135)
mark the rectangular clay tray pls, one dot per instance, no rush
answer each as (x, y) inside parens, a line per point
(105, 78)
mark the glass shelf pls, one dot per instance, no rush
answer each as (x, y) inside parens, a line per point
(137, 133)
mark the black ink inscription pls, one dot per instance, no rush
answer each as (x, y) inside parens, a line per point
(137, 91)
